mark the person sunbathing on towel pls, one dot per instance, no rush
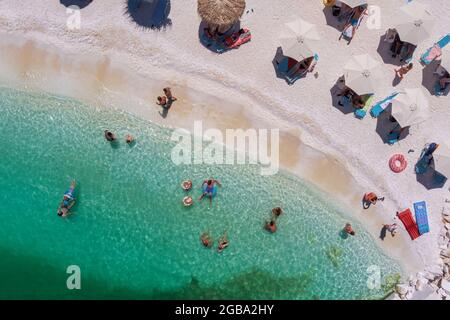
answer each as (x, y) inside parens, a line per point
(358, 102)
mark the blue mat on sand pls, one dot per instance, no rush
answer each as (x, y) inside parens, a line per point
(420, 208)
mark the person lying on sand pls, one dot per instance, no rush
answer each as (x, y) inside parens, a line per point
(402, 71)
(443, 82)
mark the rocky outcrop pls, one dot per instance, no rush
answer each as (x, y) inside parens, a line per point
(433, 283)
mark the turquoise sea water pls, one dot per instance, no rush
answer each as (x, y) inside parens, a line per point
(130, 234)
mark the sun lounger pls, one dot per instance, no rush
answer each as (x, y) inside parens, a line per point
(351, 27)
(294, 74)
(409, 223)
(420, 208)
(435, 51)
(439, 91)
(361, 113)
(393, 137)
(379, 108)
(238, 38)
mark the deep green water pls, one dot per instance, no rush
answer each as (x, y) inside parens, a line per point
(131, 236)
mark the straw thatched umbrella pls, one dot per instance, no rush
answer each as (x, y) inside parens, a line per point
(221, 15)
(411, 107)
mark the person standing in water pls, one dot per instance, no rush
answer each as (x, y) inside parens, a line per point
(271, 226)
(208, 189)
(348, 228)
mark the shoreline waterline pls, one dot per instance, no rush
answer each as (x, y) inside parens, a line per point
(123, 224)
(297, 157)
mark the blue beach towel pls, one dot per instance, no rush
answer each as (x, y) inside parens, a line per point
(444, 41)
(379, 108)
(420, 209)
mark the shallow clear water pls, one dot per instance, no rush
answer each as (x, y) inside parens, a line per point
(131, 236)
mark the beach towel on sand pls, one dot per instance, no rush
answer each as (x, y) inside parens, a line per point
(380, 106)
(361, 113)
(420, 208)
(435, 51)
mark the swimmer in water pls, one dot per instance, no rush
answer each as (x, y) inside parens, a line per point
(206, 239)
(271, 226)
(223, 243)
(110, 136)
(68, 201)
(129, 139)
(209, 189)
(276, 212)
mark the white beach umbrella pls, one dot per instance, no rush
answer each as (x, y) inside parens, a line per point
(441, 159)
(297, 37)
(354, 3)
(414, 23)
(363, 74)
(410, 107)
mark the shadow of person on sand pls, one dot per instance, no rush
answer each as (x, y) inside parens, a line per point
(79, 3)
(383, 233)
(149, 14)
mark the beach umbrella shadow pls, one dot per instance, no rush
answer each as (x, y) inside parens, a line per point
(429, 79)
(334, 91)
(384, 50)
(149, 14)
(79, 3)
(385, 125)
(331, 20)
(213, 45)
(431, 179)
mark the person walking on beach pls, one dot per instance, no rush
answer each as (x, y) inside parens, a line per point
(169, 95)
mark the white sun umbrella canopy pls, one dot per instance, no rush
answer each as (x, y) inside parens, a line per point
(354, 3)
(414, 23)
(410, 107)
(297, 37)
(363, 74)
(441, 159)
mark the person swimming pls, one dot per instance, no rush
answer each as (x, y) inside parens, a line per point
(223, 243)
(206, 240)
(129, 139)
(68, 201)
(208, 189)
(277, 211)
(271, 226)
(110, 136)
(186, 185)
(188, 201)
